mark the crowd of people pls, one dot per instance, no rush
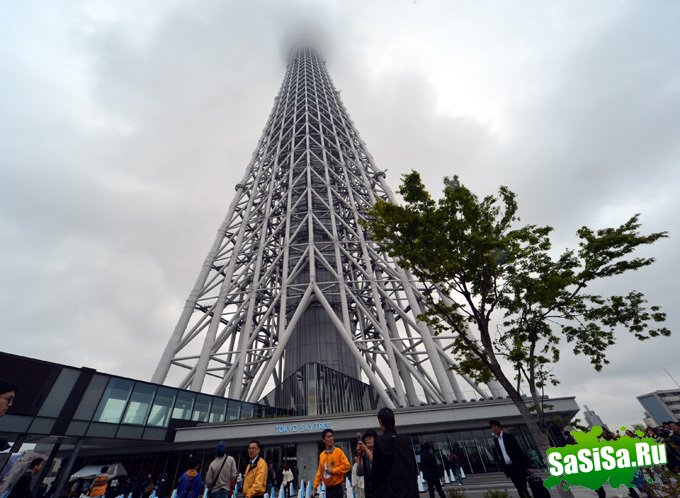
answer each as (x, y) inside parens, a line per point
(384, 466)
(649, 480)
(522, 469)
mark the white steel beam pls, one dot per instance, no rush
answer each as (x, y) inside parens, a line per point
(291, 245)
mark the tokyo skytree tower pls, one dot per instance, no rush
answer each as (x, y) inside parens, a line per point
(293, 279)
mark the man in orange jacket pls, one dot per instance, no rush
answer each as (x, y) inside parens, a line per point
(333, 465)
(98, 487)
(255, 480)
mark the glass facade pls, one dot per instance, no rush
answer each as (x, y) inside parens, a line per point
(201, 409)
(114, 401)
(162, 407)
(218, 410)
(315, 389)
(127, 402)
(184, 406)
(139, 404)
(475, 449)
(107, 406)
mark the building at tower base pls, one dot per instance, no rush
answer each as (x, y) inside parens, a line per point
(84, 417)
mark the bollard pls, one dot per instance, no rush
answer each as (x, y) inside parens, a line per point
(421, 484)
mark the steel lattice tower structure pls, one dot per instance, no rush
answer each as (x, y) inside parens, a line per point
(293, 278)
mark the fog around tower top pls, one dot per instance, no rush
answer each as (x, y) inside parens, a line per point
(125, 127)
(305, 34)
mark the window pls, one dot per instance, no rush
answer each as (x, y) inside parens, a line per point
(91, 398)
(140, 402)
(183, 406)
(112, 404)
(247, 410)
(201, 408)
(159, 416)
(234, 411)
(218, 410)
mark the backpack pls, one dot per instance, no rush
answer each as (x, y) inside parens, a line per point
(402, 478)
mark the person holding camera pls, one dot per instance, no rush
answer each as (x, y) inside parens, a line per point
(365, 446)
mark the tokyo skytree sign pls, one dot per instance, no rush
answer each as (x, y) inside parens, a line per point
(293, 279)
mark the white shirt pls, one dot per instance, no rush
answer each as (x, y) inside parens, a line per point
(506, 457)
(357, 480)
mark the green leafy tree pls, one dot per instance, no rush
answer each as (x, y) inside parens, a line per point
(500, 292)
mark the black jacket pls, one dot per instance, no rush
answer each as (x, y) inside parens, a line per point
(22, 488)
(430, 466)
(520, 462)
(368, 479)
(394, 473)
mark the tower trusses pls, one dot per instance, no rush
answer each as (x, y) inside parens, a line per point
(293, 278)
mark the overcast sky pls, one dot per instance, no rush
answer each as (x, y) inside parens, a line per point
(124, 126)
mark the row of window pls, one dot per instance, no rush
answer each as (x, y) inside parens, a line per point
(136, 403)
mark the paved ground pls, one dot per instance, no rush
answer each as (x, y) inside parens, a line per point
(476, 486)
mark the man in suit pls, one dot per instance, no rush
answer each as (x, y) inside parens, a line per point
(514, 460)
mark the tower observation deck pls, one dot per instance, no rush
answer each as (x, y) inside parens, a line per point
(293, 281)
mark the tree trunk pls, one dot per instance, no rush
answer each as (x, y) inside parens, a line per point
(539, 434)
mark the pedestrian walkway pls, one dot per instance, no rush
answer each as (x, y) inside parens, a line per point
(476, 485)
